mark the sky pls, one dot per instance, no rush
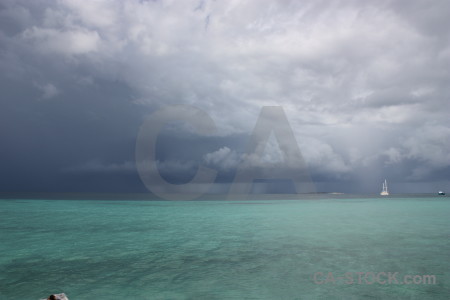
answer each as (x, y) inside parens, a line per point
(361, 87)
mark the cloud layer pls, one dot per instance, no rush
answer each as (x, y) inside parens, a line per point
(364, 85)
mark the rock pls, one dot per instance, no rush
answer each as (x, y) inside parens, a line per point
(61, 296)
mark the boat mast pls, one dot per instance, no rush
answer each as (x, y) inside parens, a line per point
(384, 191)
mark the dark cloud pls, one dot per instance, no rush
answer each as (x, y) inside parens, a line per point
(364, 86)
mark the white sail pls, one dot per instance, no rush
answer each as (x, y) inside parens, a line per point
(384, 191)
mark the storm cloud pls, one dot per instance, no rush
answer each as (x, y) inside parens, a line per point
(364, 86)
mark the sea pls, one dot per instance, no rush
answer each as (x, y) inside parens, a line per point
(321, 247)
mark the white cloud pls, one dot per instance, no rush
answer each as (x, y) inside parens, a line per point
(308, 57)
(422, 91)
(48, 90)
(332, 66)
(68, 42)
(321, 157)
(98, 13)
(224, 158)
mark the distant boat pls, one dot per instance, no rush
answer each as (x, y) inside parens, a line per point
(441, 193)
(385, 191)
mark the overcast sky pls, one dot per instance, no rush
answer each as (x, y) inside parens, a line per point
(364, 86)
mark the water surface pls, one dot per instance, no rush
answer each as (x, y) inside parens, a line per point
(267, 249)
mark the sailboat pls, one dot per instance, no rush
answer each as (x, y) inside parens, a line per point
(385, 191)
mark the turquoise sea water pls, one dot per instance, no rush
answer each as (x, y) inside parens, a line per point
(269, 249)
